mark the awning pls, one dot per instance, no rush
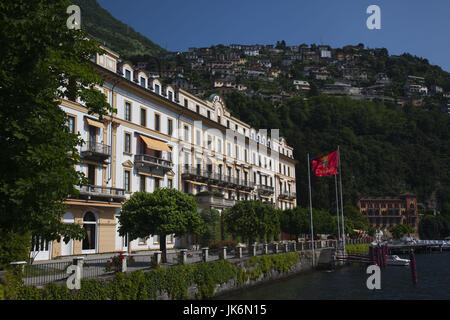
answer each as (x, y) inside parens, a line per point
(155, 144)
(95, 123)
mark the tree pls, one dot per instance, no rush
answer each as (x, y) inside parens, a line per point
(163, 212)
(295, 221)
(359, 221)
(41, 61)
(400, 230)
(251, 219)
(211, 219)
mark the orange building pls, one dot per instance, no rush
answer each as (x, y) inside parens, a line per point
(386, 212)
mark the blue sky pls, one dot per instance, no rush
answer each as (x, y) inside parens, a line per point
(419, 27)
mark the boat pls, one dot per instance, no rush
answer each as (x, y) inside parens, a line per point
(394, 260)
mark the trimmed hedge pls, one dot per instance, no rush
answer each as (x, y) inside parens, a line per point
(138, 285)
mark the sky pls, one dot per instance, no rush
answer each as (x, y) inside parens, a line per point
(419, 27)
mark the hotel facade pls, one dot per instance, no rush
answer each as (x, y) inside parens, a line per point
(162, 136)
(386, 212)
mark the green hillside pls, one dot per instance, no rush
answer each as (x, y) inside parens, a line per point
(116, 35)
(385, 150)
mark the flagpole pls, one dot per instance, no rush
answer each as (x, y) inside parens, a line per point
(337, 210)
(310, 210)
(342, 201)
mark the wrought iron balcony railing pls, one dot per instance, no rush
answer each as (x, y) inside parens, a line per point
(221, 179)
(97, 150)
(265, 189)
(148, 160)
(288, 195)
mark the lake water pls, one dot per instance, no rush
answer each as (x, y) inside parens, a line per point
(349, 282)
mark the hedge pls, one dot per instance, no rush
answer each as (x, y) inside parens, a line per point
(138, 285)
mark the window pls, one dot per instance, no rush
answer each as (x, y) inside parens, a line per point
(186, 103)
(157, 183)
(143, 117)
(142, 183)
(157, 118)
(228, 149)
(71, 124)
(143, 82)
(186, 133)
(169, 127)
(209, 142)
(198, 140)
(127, 111)
(209, 114)
(127, 143)
(91, 174)
(219, 145)
(245, 155)
(197, 107)
(236, 127)
(228, 123)
(156, 89)
(155, 239)
(170, 95)
(169, 183)
(127, 180)
(128, 74)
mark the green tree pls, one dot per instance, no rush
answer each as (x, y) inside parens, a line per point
(400, 230)
(41, 61)
(359, 221)
(163, 212)
(251, 219)
(211, 219)
(295, 221)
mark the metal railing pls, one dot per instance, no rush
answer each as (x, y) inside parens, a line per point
(40, 273)
(96, 147)
(220, 178)
(151, 160)
(288, 195)
(264, 188)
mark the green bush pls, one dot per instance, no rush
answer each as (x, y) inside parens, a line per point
(53, 291)
(91, 290)
(175, 281)
(362, 248)
(13, 247)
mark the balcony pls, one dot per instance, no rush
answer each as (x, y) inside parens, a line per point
(206, 200)
(150, 162)
(100, 193)
(288, 195)
(265, 190)
(96, 151)
(209, 177)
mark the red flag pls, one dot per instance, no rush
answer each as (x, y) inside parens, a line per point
(326, 165)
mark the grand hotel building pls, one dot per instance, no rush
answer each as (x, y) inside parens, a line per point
(163, 136)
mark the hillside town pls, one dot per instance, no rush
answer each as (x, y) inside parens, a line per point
(279, 72)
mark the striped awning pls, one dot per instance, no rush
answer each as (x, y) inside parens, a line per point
(95, 123)
(155, 144)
